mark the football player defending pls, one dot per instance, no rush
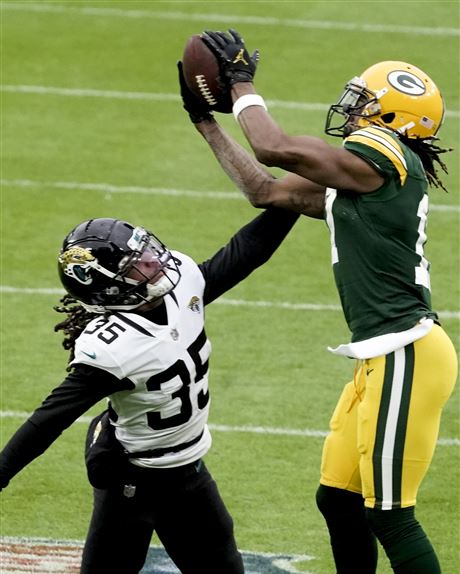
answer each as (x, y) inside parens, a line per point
(372, 192)
(135, 329)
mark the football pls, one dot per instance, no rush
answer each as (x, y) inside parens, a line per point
(201, 74)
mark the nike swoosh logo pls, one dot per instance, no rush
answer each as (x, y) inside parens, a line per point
(90, 355)
(369, 371)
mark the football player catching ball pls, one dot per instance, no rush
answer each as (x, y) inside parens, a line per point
(373, 194)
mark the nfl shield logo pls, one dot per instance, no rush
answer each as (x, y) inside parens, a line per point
(129, 490)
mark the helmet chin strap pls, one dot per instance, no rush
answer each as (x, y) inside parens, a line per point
(93, 308)
(406, 128)
(160, 288)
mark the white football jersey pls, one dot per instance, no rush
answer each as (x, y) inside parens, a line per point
(167, 365)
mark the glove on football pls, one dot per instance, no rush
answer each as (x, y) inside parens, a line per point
(196, 108)
(235, 63)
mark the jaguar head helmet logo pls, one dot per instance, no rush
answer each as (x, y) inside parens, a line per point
(77, 263)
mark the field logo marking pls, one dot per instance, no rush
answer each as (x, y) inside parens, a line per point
(43, 556)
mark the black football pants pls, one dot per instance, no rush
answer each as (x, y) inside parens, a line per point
(182, 505)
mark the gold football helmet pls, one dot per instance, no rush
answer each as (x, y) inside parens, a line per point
(391, 94)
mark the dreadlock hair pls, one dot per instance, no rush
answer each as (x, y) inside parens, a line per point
(429, 153)
(74, 324)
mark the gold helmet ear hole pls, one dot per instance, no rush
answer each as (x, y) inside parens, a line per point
(388, 118)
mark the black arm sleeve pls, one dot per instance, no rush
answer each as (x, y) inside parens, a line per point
(248, 249)
(81, 389)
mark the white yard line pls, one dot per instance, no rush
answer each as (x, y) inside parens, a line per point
(144, 190)
(110, 188)
(5, 289)
(233, 20)
(155, 97)
(271, 431)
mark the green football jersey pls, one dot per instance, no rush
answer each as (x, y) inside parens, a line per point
(378, 238)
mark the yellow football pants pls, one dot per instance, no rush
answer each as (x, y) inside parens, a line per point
(385, 426)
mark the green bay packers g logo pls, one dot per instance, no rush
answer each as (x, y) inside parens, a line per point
(77, 263)
(406, 82)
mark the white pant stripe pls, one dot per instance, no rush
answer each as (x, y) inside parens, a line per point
(390, 429)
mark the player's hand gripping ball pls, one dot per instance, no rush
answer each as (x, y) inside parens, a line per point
(202, 75)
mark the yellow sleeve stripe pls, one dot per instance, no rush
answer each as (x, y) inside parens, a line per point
(385, 144)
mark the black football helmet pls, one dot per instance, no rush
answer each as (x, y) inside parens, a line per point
(99, 257)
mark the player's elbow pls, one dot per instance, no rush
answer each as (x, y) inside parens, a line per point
(273, 152)
(260, 203)
(267, 155)
(259, 197)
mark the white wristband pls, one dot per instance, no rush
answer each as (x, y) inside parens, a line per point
(245, 101)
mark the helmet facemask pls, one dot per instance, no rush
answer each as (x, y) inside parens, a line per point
(137, 271)
(356, 102)
(147, 272)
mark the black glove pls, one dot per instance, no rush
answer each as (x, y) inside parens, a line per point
(235, 63)
(197, 109)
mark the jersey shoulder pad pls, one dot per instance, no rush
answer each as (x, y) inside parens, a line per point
(382, 148)
(91, 350)
(188, 267)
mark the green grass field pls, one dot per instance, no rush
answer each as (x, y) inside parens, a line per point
(92, 126)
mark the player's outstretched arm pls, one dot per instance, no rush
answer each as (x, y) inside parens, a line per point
(82, 388)
(257, 184)
(248, 249)
(307, 156)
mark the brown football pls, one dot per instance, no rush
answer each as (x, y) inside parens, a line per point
(201, 73)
